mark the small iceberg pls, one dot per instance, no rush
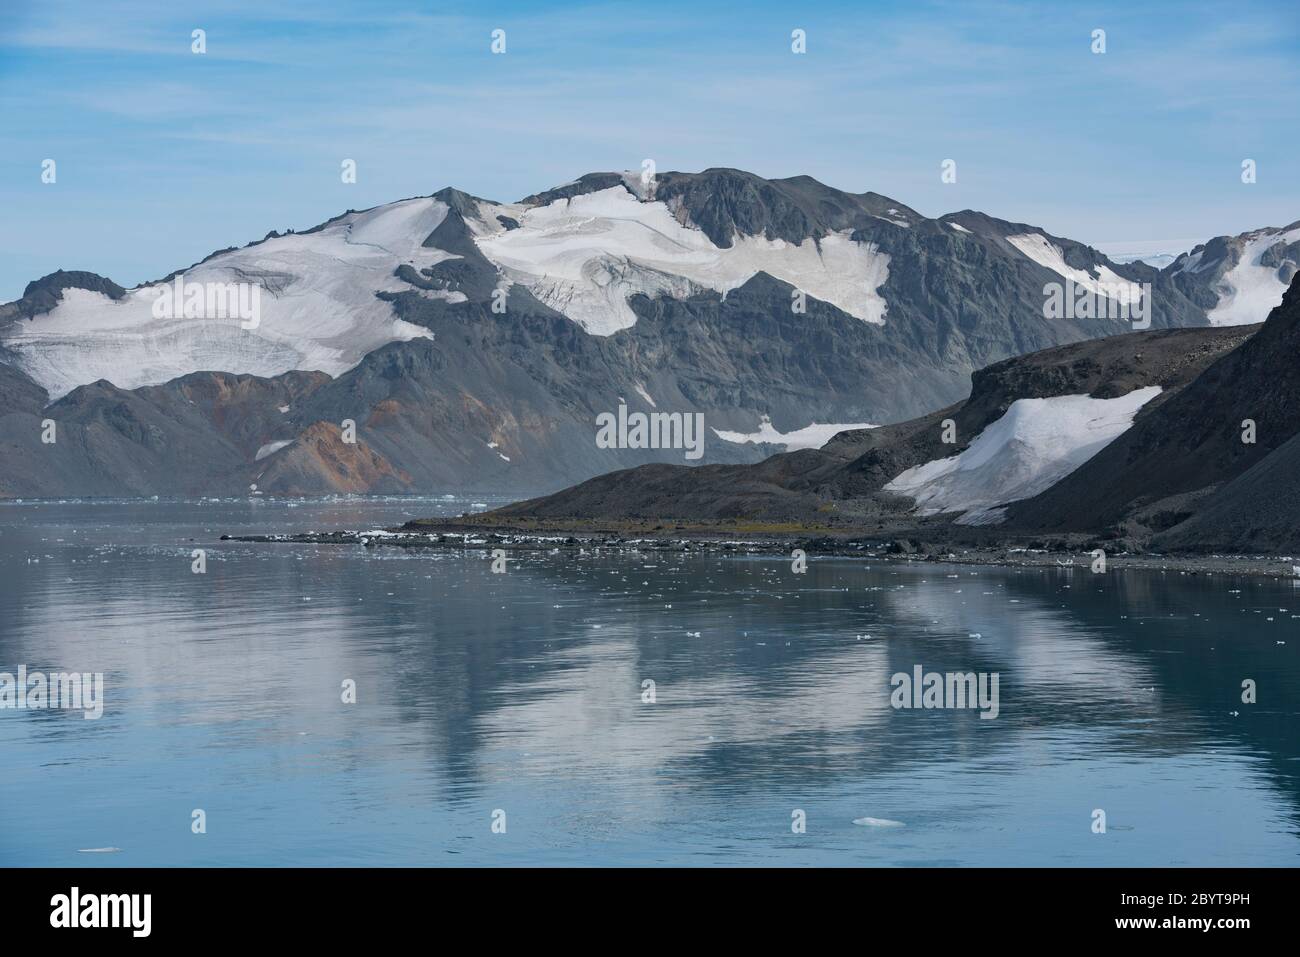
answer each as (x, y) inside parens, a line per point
(876, 822)
(98, 850)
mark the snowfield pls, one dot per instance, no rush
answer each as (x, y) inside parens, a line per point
(583, 256)
(1106, 283)
(586, 256)
(1035, 444)
(318, 310)
(1248, 292)
(811, 436)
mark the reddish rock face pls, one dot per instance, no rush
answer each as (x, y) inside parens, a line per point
(320, 459)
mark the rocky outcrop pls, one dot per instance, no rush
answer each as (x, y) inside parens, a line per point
(42, 295)
(321, 459)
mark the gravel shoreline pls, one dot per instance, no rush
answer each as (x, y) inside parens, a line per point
(895, 550)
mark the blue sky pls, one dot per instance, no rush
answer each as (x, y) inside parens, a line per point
(164, 156)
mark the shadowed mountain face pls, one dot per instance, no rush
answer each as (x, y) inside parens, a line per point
(1238, 416)
(1257, 512)
(474, 344)
(194, 435)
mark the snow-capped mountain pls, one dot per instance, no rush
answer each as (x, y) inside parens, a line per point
(1240, 278)
(474, 343)
(318, 310)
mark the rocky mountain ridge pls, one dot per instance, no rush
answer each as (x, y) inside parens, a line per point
(474, 343)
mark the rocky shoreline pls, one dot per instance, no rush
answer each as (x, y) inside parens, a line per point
(429, 534)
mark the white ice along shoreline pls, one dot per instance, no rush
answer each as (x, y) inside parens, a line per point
(1032, 446)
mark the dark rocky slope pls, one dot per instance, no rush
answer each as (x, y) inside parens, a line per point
(195, 435)
(840, 484)
(1184, 447)
(1258, 512)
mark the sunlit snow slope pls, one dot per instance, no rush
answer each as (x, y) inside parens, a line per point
(1105, 282)
(1033, 445)
(1249, 290)
(586, 255)
(318, 309)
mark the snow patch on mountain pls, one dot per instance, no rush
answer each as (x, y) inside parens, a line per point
(893, 217)
(638, 184)
(1249, 291)
(1105, 283)
(318, 309)
(1032, 446)
(587, 255)
(398, 228)
(270, 448)
(482, 216)
(1193, 264)
(811, 436)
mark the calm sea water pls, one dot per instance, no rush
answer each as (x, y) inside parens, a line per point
(522, 692)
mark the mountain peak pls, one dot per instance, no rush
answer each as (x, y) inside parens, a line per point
(42, 295)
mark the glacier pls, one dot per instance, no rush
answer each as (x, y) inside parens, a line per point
(318, 305)
(586, 256)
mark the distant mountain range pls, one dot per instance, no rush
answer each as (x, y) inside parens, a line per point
(449, 343)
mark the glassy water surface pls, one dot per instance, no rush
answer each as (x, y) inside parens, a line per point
(523, 692)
